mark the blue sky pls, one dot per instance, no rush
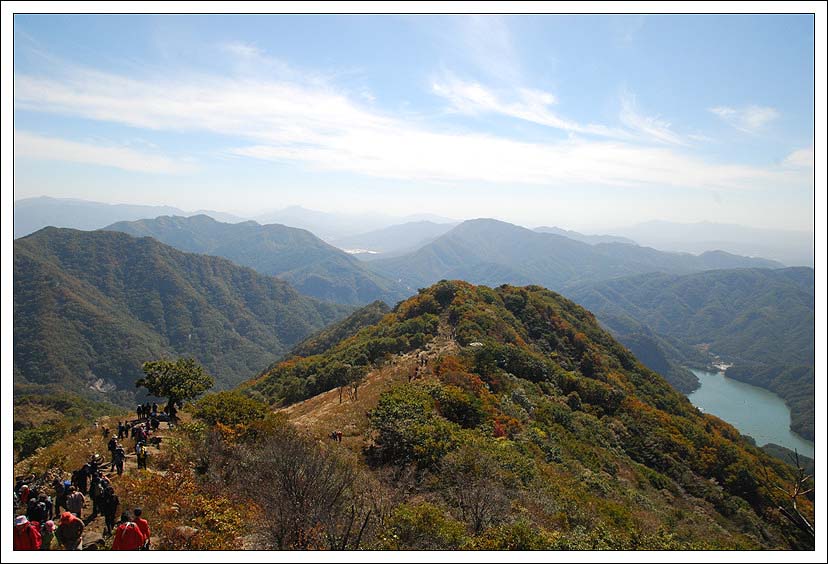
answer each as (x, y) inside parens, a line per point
(579, 121)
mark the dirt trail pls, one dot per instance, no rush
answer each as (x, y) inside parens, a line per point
(324, 413)
(94, 527)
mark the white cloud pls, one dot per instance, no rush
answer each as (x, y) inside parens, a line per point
(534, 106)
(750, 119)
(314, 124)
(649, 127)
(241, 49)
(486, 40)
(801, 158)
(530, 105)
(33, 146)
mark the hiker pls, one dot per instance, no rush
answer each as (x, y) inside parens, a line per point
(127, 536)
(143, 524)
(155, 423)
(70, 531)
(120, 430)
(47, 533)
(24, 494)
(120, 456)
(61, 491)
(74, 501)
(109, 507)
(154, 410)
(40, 508)
(141, 454)
(111, 446)
(26, 534)
(339, 436)
(333, 435)
(81, 479)
(95, 464)
(96, 491)
(139, 411)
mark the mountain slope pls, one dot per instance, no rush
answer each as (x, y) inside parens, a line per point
(91, 307)
(395, 239)
(514, 401)
(312, 266)
(793, 248)
(487, 251)
(590, 239)
(33, 214)
(761, 320)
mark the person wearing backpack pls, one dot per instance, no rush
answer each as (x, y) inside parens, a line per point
(96, 491)
(127, 536)
(26, 534)
(74, 502)
(70, 531)
(109, 507)
(141, 453)
(61, 491)
(143, 524)
(39, 509)
(120, 457)
(47, 533)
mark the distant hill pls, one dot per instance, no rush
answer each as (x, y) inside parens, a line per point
(793, 248)
(334, 333)
(761, 320)
(590, 239)
(395, 239)
(312, 266)
(91, 307)
(487, 251)
(331, 226)
(515, 400)
(33, 214)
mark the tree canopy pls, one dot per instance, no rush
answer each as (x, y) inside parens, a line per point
(177, 380)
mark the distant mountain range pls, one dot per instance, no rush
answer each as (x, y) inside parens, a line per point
(590, 239)
(33, 214)
(91, 307)
(793, 248)
(333, 226)
(393, 240)
(491, 252)
(312, 266)
(761, 320)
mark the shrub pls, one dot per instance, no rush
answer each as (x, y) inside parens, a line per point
(422, 526)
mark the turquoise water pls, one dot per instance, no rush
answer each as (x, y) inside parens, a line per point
(754, 411)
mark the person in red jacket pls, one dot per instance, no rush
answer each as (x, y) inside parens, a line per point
(143, 524)
(127, 536)
(26, 534)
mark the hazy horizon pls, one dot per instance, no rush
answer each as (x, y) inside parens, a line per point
(570, 121)
(591, 230)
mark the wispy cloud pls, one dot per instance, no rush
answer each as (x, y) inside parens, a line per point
(33, 146)
(536, 106)
(241, 49)
(317, 125)
(650, 127)
(750, 119)
(801, 158)
(487, 42)
(526, 104)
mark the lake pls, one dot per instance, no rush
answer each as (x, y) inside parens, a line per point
(754, 411)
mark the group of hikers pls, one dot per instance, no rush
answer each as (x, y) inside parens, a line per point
(41, 518)
(45, 520)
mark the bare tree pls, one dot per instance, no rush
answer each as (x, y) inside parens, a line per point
(473, 481)
(785, 496)
(311, 497)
